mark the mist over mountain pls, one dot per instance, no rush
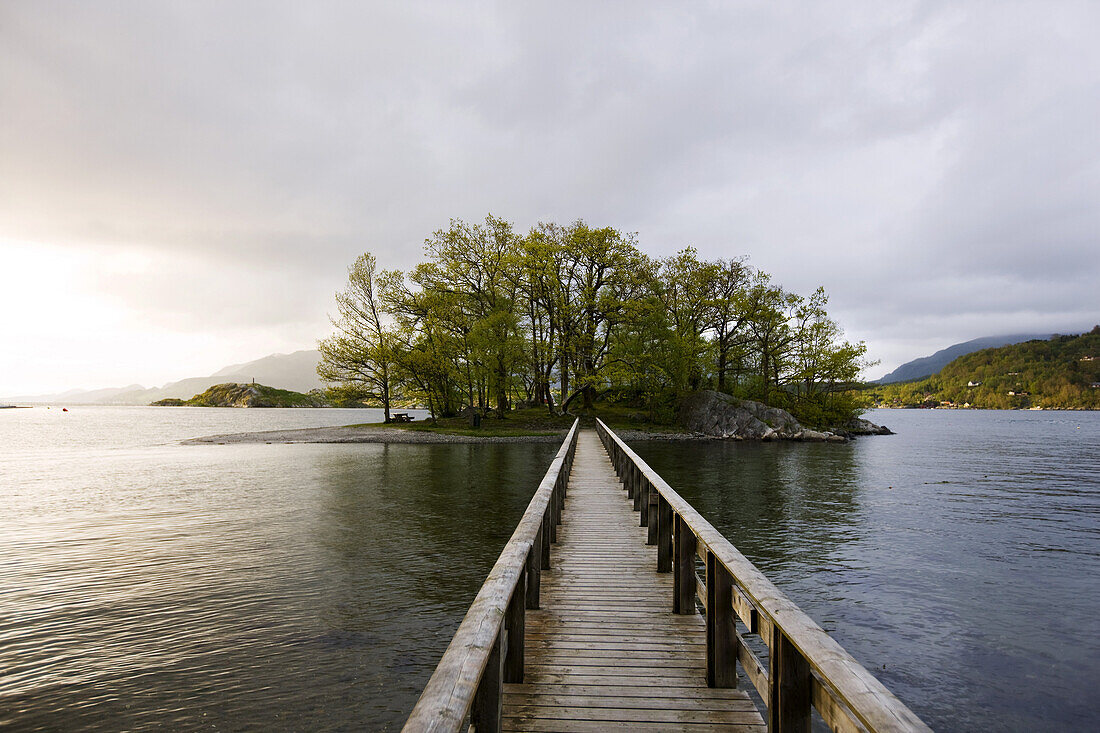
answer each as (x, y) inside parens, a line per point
(929, 365)
(296, 371)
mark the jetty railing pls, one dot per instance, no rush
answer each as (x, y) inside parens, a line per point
(805, 667)
(487, 649)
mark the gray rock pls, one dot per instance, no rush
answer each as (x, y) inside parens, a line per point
(720, 415)
(859, 426)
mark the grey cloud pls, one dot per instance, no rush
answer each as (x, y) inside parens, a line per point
(934, 165)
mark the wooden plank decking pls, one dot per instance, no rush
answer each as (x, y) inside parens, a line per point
(605, 652)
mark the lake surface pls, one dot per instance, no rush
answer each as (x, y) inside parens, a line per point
(145, 584)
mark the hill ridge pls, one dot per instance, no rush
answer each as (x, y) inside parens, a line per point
(1062, 372)
(927, 366)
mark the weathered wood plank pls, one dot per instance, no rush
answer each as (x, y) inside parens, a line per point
(599, 726)
(601, 698)
(620, 691)
(670, 679)
(742, 717)
(605, 651)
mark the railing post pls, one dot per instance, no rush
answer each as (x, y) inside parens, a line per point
(487, 709)
(515, 623)
(555, 513)
(642, 502)
(534, 571)
(653, 518)
(628, 479)
(790, 694)
(664, 535)
(683, 569)
(721, 633)
(545, 535)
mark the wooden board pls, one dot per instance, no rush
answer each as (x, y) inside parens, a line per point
(605, 652)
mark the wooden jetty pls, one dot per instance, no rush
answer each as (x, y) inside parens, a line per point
(623, 609)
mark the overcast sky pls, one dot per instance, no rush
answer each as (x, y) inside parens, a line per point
(183, 184)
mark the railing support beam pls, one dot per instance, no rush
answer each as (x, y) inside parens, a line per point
(515, 624)
(651, 516)
(534, 571)
(721, 633)
(683, 569)
(546, 535)
(664, 535)
(791, 687)
(487, 710)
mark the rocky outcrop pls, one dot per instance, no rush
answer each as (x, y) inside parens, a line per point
(722, 416)
(859, 426)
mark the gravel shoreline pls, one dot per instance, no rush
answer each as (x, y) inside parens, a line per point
(350, 434)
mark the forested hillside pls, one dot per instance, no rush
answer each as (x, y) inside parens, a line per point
(1060, 373)
(566, 314)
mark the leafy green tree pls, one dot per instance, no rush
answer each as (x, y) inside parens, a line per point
(573, 311)
(771, 309)
(472, 263)
(824, 368)
(730, 313)
(359, 356)
(687, 288)
(603, 266)
(431, 351)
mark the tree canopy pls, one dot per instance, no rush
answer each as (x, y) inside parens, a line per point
(567, 313)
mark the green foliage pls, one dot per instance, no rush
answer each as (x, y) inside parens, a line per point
(1053, 374)
(566, 313)
(359, 355)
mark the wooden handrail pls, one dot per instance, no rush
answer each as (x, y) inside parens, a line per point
(487, 648)
(806, 666)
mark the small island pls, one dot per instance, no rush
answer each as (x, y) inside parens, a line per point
(702, 415)
(250, 395)
(576, 321)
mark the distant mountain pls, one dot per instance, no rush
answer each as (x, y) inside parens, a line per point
(296, 372)
(926, 366)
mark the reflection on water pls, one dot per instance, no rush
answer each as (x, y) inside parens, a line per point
(146, 585)
(287, 587)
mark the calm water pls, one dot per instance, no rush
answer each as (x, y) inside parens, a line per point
(958, 560)
(144, 584)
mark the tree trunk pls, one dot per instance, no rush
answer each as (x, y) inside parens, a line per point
(721, 368)
(589, 395)
(386, 392)
(502, 387)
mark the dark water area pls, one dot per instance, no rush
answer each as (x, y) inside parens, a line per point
(147, 585)
(958, 560)
(259, 587)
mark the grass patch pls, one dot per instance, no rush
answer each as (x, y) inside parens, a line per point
(534, 421)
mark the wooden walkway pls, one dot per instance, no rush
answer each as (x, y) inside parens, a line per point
(605, 652)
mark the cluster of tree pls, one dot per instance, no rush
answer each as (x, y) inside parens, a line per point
(568, 313)
(1059, 373)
